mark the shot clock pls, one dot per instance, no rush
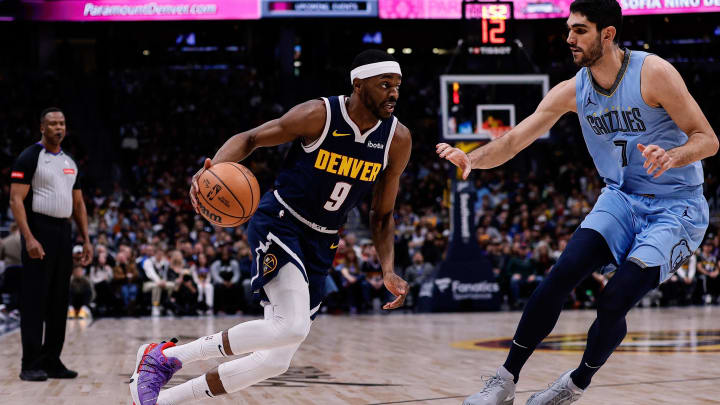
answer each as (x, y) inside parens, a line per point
(494, 18)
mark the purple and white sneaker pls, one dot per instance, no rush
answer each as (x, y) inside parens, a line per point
(152, 371)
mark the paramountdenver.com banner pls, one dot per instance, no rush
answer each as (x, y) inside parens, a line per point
(139, 10)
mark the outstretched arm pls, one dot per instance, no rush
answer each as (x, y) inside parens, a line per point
(382, 223)
(559, 100)
(305, 120)
(674, 96)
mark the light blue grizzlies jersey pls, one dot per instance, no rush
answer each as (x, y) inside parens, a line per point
(323, 181)
(613, 123)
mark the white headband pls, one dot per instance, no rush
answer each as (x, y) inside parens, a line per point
(374, 69)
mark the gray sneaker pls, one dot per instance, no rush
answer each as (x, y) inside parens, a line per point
(499, 390)
(560, 392)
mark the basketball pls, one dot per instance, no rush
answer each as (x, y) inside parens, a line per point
(228, 194)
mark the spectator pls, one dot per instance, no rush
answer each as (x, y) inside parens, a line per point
(350, 280)
(126, 280)
(374, 291)
(81, 293)
(417, 239)
(203, 281)
(707, 274)
(77, 253)
(416, 274)
(176, 266)
(101, 276)
(11, 256)
(156, 270)
(244, 259)
(432, 248)
(523, 275)
(543, 259)
(185, 295)
(226, 277)
(678, 290)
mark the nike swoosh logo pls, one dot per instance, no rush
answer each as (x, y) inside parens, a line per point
(208, 393)
(221, 351)
(333, 246)
(335, 133)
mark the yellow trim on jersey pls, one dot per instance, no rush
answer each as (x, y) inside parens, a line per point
(624, 67)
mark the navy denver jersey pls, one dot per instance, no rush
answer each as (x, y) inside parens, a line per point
(319, 183)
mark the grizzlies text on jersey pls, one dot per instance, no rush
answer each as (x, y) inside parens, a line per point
(613, 123)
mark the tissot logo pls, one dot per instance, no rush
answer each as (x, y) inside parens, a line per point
(375, 145)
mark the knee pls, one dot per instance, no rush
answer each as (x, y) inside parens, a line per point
(275, 364)
(297, 329)
(291, 328)
(612, 304)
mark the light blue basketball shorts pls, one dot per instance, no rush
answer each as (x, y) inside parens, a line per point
(650, 231)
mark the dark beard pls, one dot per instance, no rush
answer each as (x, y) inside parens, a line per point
(375, 110)
(592, 55)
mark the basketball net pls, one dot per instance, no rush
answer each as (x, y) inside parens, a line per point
(497, 132)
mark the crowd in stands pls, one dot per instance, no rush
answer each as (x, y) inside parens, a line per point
(154, 255)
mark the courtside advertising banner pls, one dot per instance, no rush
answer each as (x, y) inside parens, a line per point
(140, 10)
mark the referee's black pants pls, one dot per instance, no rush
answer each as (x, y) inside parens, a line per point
(44, 293)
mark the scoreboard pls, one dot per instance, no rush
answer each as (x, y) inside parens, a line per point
(494, 19)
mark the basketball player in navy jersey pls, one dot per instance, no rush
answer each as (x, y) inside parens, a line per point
(646, 135)
(343, 148)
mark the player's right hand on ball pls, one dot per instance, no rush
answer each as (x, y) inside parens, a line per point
(34, 249)
(456, 157)
(194, 188)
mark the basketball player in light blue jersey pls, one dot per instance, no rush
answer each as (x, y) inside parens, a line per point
(343, 149)
(646, 135)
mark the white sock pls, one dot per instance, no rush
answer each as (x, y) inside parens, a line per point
(193, 390)
(204, 348)
(574, 387)
(503, 373)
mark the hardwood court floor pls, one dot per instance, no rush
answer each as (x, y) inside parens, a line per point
(390, 359)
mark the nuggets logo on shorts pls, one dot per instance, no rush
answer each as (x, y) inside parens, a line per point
(680, 254)
(269, 263)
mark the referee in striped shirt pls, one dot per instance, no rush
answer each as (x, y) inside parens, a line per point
(44, 193)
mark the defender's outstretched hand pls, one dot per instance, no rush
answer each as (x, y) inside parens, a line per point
(194, 186)
(655, 158)
(456, 156)
(397, 287)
